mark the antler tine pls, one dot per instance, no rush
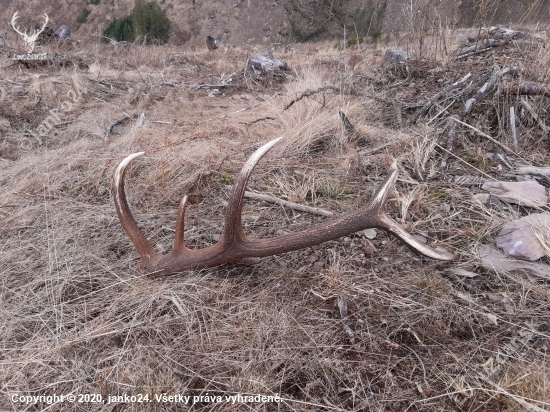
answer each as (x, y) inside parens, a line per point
(36, 32)
(233, 230)
(380, 197)
(45, 22)
(13, 20)
(179, 245)
(377, 203)
(143, 247)
(390, 226)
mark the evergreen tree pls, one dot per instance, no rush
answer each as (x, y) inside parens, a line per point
(150, 21)
(120, 30)
(147, 20)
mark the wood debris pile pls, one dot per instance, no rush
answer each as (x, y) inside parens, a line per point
(499, 41)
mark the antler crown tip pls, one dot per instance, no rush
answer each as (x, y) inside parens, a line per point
(127, 160)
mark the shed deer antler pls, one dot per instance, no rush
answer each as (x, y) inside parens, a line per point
(235, 245)
(29, 40)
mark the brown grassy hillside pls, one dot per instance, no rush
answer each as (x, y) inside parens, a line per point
(354, 324)
(265, 22)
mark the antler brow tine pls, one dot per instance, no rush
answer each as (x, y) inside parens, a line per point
(130, 226)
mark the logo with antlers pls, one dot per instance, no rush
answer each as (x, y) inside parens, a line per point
(29, 40)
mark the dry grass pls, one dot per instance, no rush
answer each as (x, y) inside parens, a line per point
(76, 316)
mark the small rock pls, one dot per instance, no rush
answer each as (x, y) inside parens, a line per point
(519, 237)
(395, 55)
(494, 297)
(63, 32)
(528, 193)
(369, 233)
(141, 120)
(492, 259)
(369, 248)
(265, 63)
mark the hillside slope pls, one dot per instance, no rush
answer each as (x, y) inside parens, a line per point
(253, 21)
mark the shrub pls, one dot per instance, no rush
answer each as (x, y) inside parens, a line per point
(150, 21)
(120, 30)
(94, 2)
(146, 20)
(83, 17)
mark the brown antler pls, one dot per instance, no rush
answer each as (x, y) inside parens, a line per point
(235, 245)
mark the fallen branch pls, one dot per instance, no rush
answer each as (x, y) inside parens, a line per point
(533, 170)
(309, 93)
(528, 88)
(479, 132)
(223, 81)
(441, 112)
(479, 47)
(286, 203)
(496, 37)
(513, 127)
(451, 135)
(485, 89)
(424, 109)
(164, 83)
(259, 120)
(215, 86)
(113, 124)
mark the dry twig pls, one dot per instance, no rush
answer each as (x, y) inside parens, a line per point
(113, 124)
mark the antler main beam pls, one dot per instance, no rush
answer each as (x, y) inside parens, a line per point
(235, 245)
